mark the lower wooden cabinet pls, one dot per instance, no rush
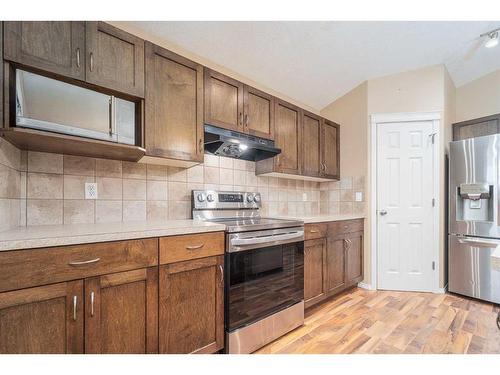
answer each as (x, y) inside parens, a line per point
(334, 262)
(191, 308)
(45, 319)
(121, 312)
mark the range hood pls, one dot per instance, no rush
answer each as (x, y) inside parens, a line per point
(237, 145)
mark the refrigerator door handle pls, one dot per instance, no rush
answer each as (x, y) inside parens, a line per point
(479, 243)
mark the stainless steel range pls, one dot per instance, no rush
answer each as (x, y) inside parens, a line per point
(264, 268)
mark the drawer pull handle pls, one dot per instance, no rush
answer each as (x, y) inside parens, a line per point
(75, 298)
(83, 262)
(195, 247)
(314, 231)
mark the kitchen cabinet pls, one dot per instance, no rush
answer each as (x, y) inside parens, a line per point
(45, 319)
(121, 312)
(333, 259)
(314, 280)
(115, 59)
(191, 307)
(477, 127)
(312, 155)
(231, 105)
(330, 149)
(94, 52)
(258, 117)
(173, 107)
(223, 101)
(2, 120)
(52, 46)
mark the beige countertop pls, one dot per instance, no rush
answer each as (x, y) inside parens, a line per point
(59, 235)
(323, 218)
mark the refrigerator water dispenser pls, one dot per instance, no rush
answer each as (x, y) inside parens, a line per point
(475, 202)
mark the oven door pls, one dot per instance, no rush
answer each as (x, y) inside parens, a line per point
(263, 280)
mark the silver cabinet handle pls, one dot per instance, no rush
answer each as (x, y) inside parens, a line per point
(83, 262)
(383, 212)
(75, 298)
(221, 270)
(246, 120)
(200, 145)
(241, 118)
(92, 303)
(195, 247)
(91, 61)
(78, 57)
(314, 231)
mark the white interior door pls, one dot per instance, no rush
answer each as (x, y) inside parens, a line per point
(405, 217)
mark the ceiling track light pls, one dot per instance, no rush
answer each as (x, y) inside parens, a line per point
(492, 38)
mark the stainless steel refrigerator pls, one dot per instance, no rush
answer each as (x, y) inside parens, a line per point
(474, 204)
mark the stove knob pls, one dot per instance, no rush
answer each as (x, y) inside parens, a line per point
(250, 198)
(201, 197)
(256, 199)
(210, 197)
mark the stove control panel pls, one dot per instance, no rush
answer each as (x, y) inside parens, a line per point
(220, 200)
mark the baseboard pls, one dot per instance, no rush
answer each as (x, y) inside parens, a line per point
(442, 290)
(365, 286)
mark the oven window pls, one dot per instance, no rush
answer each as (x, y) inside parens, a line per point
(262, 282)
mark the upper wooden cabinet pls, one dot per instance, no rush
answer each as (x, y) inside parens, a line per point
(115, 59)
(230, 104)
(477, 127)
(53, 46)
(94, 52)
(223, 101)
(258, 113)
(45, 319)
(288, 137)
(121, 312)
(311, 156)
(173, 106)
(330, 149)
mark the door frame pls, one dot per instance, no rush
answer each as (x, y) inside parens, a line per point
(384, 118)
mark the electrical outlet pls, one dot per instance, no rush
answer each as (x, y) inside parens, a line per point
(358, 197)
(90, 190)
(304, 197)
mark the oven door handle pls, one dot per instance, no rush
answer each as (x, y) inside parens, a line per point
(265, 239)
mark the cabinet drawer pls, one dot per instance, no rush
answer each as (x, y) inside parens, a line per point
(191, 246)
(314, 231)
(347, 226)
(27, 268)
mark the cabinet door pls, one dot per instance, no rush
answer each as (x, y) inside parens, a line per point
(121, 312)
(191, 306)
(330, 149)
(314, 256)
(335, 265)
(53, 46)
(174, 106)
(223, 101)
(311, 155)
(46, 319)
(477, 127)
(259, 113)
(354, 258)
(115, 59)
(288, 137)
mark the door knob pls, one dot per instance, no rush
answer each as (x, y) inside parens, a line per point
(383, 212)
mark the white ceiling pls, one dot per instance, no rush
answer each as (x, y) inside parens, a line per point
(317, 62)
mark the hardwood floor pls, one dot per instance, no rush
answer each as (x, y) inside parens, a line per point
(387, 322)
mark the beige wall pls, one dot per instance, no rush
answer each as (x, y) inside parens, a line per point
(351, 111)
(479, 98)
(424, 90)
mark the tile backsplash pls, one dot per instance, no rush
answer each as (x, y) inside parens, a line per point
(43, 188)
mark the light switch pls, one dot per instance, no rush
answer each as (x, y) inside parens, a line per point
(358, 197)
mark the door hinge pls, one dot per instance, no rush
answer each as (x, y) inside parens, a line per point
(433, 266)
(433, 202)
